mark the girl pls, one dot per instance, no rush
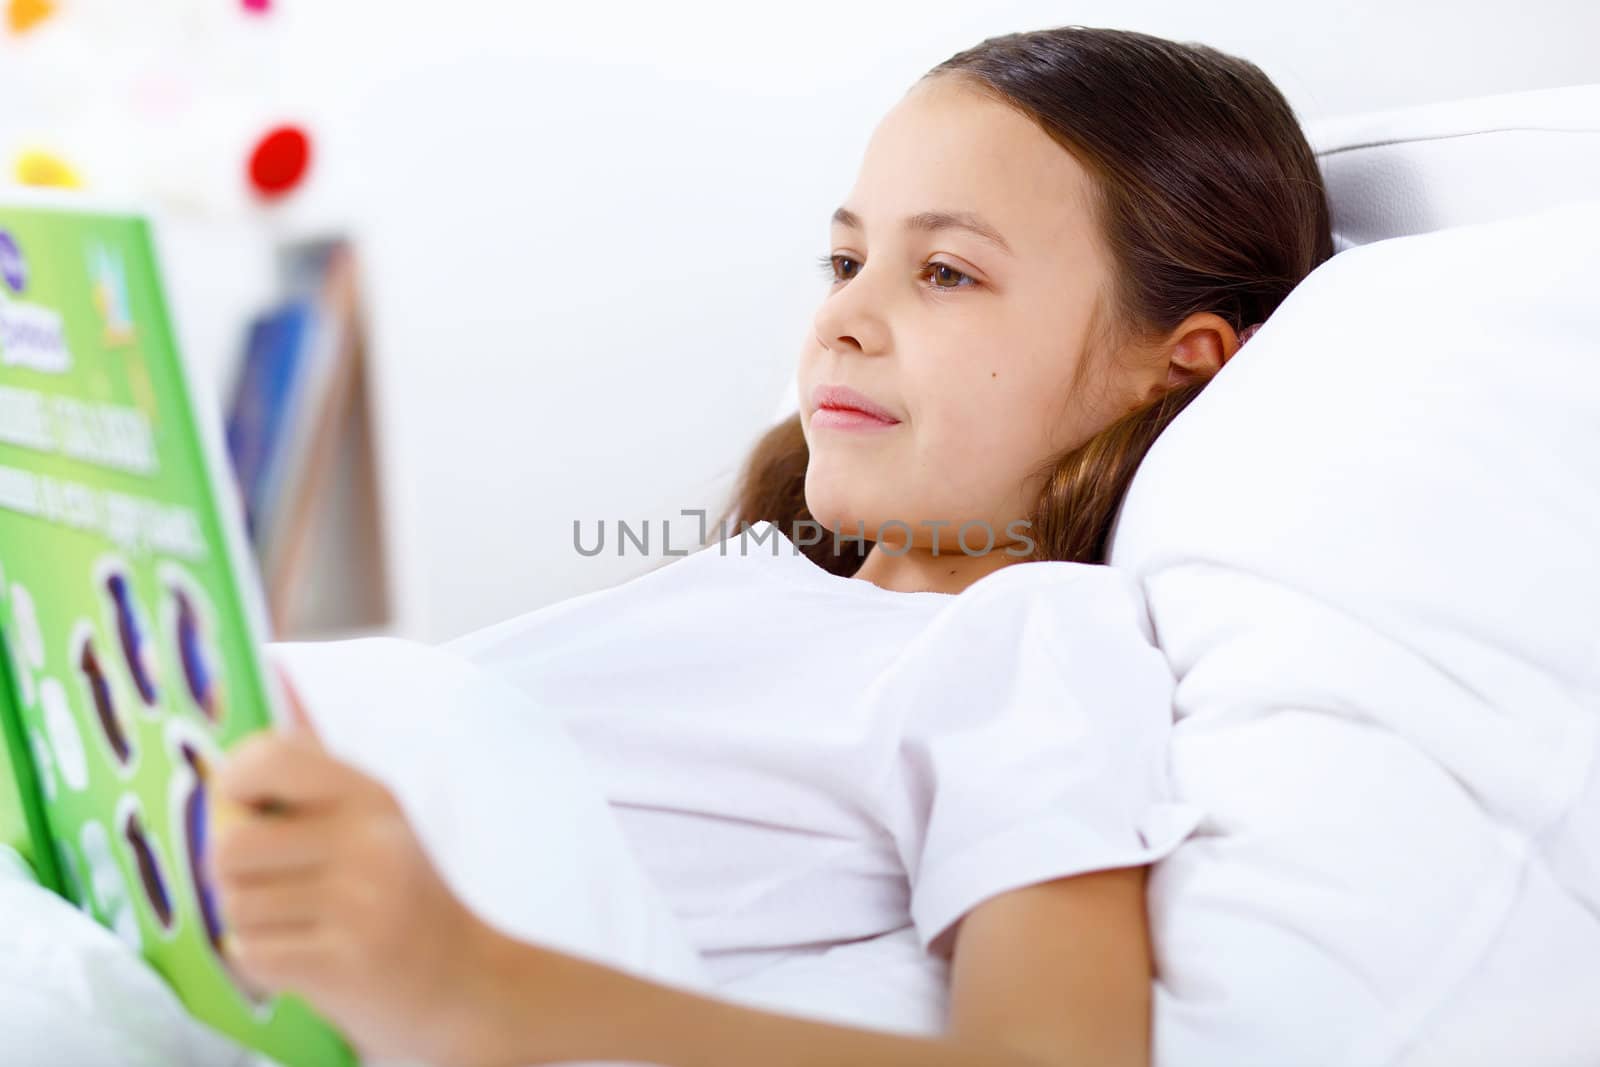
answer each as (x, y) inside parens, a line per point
(952, 727)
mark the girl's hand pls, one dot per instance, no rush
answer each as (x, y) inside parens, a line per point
(325, 891)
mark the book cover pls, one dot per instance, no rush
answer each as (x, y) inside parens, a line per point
(130, 617)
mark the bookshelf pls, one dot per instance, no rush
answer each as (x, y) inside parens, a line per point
(303, 436)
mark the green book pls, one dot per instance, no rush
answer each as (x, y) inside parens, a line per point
(130, 618)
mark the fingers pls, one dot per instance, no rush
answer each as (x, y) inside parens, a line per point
(282, 957)
(276, 907)
(301, 931)
(246, 847)
(273, 769)
(299, 843)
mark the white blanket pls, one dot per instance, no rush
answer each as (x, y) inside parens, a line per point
(531, 846)
(72, 993)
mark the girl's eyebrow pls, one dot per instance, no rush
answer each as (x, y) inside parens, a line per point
(931, 221)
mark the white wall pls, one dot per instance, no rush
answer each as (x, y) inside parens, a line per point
(591, 231)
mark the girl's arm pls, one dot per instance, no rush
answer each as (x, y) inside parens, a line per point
(1056, 973)
(327, 892)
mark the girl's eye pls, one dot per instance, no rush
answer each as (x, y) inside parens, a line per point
(942, 275)
(831, 267)
(940, 272)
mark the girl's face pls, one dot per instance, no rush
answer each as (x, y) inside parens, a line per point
(966, 275)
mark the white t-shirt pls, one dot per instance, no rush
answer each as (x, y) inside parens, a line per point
(802, 760)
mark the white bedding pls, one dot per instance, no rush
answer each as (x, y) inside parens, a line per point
(533, 848)
(72, 993)
(1369, 552)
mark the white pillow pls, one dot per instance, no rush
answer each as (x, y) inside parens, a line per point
(1418, 169)
(1372, 553)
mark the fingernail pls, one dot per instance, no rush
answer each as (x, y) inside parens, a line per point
(223, 812)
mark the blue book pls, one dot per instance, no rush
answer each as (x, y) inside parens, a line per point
(261, 411)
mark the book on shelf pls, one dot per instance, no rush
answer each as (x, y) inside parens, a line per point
(301, 434)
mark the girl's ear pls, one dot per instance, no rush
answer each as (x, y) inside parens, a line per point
(1199, 347)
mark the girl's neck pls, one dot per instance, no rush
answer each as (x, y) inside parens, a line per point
(919, 570)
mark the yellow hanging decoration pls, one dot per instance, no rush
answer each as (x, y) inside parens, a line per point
(24, 15)
(38, 167)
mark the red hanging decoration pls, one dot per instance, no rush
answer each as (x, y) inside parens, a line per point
(279, 161)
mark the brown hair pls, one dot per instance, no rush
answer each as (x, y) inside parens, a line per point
(1209, 199)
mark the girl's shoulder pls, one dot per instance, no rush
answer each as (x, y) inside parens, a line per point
(1034, 628)
(1035, 590)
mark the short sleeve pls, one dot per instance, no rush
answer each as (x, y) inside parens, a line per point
(1033, 716)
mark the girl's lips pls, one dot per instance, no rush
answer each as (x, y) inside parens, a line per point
(848, 419)
(839, 407)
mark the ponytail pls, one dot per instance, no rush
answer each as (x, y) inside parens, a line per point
(1085, 485)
